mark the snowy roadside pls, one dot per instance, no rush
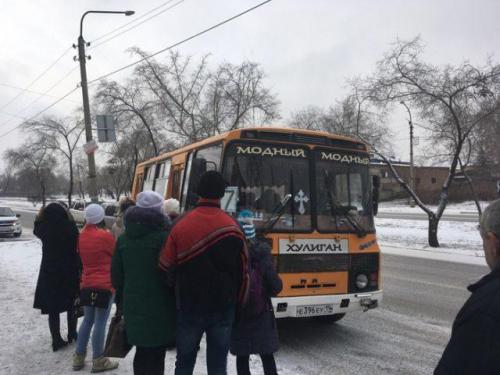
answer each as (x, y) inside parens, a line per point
(402, 206)
(25, 339)
(460, 241)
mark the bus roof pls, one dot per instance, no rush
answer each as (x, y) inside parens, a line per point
(236, 134)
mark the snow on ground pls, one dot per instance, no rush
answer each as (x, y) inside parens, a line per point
(25, 346)
(402, 206)
(459, 241)
(19, 203)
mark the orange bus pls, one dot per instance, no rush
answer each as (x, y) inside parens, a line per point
(311, 198)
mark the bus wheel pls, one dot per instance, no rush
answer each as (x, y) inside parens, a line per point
(329, 318)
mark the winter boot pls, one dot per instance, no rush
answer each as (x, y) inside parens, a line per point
(102, 364)
(78, 361)
(72, 337)
(58, 344)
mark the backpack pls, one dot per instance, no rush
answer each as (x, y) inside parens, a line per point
(257, 300)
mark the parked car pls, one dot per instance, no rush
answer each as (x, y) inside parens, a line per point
(77, 210)
(9, 222)
(110, 212)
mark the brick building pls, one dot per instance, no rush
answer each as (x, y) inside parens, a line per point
(429, 180)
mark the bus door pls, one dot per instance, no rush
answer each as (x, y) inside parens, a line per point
(176, 178)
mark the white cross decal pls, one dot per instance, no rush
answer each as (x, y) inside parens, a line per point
(301, 198)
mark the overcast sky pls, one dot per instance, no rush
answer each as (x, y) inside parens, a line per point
(308, 48)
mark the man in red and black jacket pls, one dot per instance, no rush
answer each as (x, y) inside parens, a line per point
(205, 259)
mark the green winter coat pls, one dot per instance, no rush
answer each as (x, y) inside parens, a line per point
(148, 305)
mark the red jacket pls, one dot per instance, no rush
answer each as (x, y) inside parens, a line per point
(96, 247)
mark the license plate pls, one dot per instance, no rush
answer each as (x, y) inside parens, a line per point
(6, 229)
(314, 310)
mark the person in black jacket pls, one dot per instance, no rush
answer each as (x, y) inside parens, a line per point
(205, 259)
(254, 330)
(474, 346)
(59, 275)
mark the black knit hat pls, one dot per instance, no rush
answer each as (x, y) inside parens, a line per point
(211, 185)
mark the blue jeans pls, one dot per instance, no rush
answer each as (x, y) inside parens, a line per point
(97, 317)
(190, 329)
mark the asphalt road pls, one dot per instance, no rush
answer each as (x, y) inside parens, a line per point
(406, 335)
(419, 215)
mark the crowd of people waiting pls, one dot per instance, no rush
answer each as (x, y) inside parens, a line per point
(174, 278)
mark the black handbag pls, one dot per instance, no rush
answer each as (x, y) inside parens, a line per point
(117, 345)
(77, 308)
(95, 297)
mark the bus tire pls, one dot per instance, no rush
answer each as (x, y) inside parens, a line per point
(330, 318)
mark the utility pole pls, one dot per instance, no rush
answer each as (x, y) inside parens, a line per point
(85, 96)
(412, 172)
(86, 115)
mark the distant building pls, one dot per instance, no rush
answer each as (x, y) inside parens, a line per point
(429, 181)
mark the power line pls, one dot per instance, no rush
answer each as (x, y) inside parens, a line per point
(35, 80)
(38, 98)
(137, 25)
(12, 115)
(131, 22)
(28, 91)
(179, 43)
(40, 112)
(129, 65)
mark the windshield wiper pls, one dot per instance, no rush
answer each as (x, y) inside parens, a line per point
(334, 207)
(276, 214)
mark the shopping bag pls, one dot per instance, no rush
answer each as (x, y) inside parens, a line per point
(117, 345)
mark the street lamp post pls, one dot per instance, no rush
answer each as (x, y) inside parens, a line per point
(85, 95)
(412, 175)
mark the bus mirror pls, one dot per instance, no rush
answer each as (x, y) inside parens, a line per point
(375, 193)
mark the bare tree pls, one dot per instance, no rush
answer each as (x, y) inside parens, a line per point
(62, 136)
(454, 101)
(196, 102)
(354, 116)
(129, 101)
(35, 157)
(236, 96)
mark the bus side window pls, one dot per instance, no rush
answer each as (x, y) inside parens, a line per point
(149, 181)
(161, 178)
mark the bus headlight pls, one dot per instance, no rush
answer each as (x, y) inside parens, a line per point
(361, 281)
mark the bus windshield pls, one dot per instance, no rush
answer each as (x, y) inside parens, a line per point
(342, 191)
(262, 175)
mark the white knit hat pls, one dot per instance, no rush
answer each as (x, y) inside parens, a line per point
(150, 199)
(94, 214)
(171, 206)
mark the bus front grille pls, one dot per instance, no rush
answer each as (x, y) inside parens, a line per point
(292, 263)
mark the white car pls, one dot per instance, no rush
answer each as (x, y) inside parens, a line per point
(9, 222)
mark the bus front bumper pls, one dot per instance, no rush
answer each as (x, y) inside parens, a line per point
(306, 306)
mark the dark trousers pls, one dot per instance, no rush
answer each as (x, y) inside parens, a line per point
(149, 361)
(190, 329)
(268, 363)
(55, 325)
